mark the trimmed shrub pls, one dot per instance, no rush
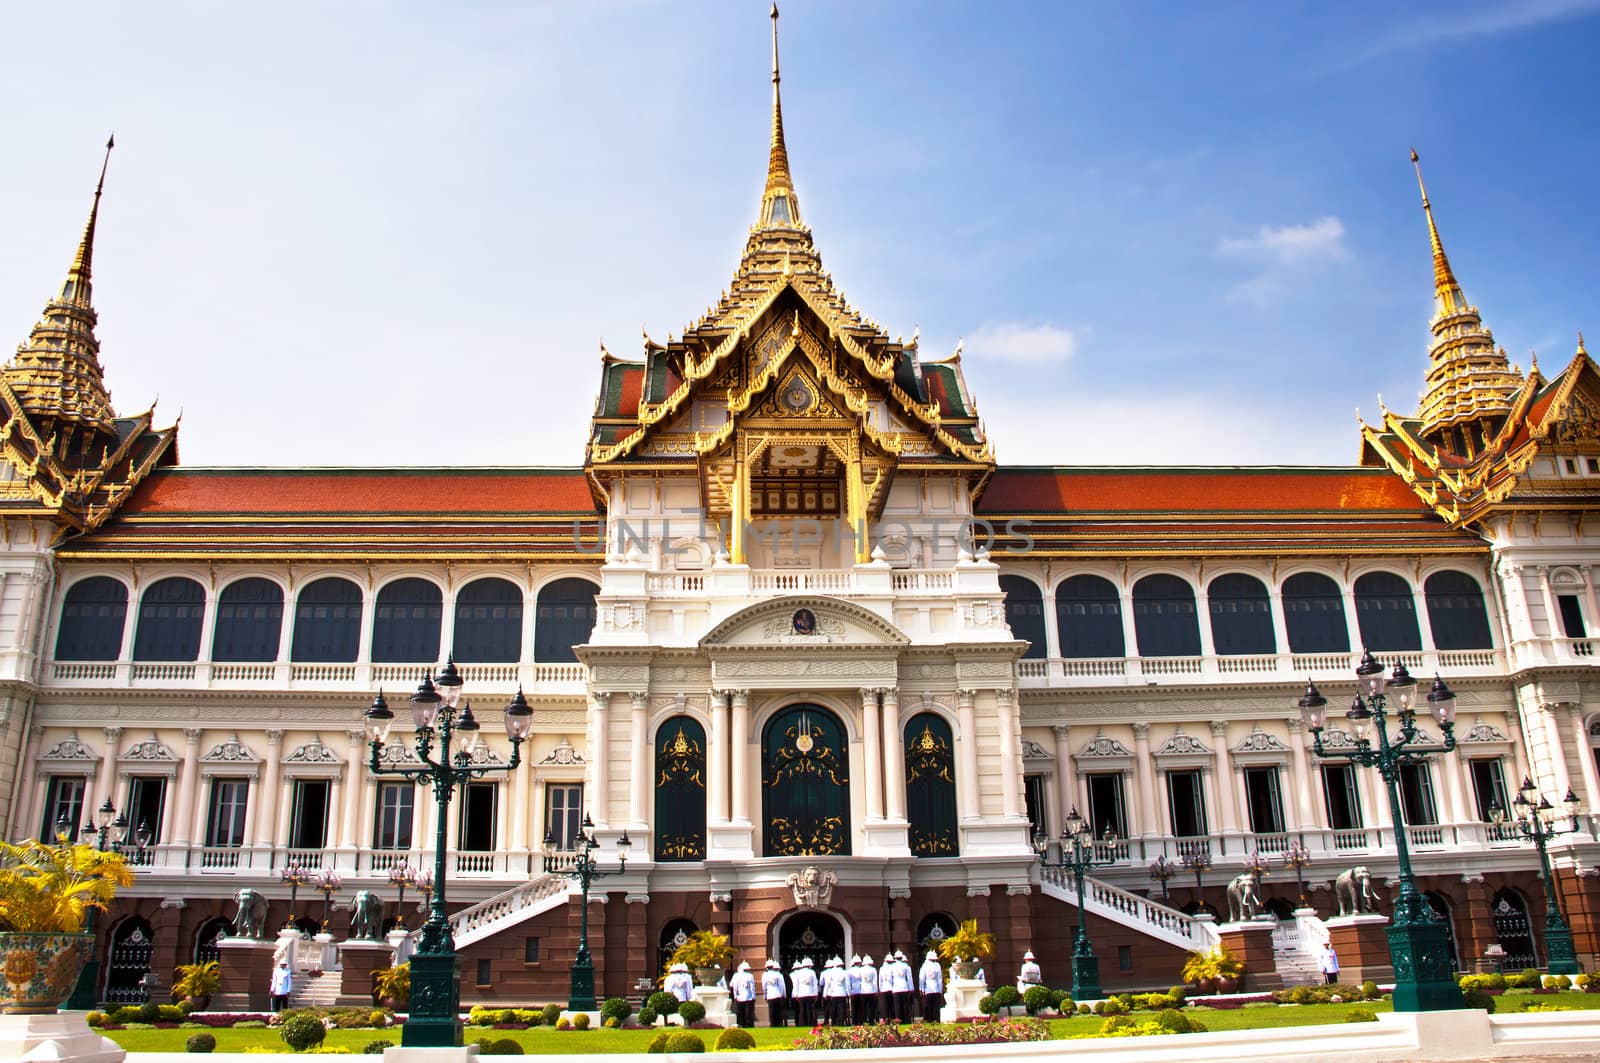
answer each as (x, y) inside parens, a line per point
(734, 1039)
(1179, 993)
(662, 1003)
(684, 1041)
(150, 1013)
(302, 1032)
(1036, 998)
(1370, 991)
(658, 1043)
(375, 1048)
(1557, 981)
(691, 1011)
(1007, 996)
(551, 1013)
(580, 1021)
(1527, 979)
(1360, 1015)
(1176, 1021)
(98, 1018)
(987, 1004)
(647, 1016)
(616, 1008)
(612, 1023)
(1477, 998)
(1116, 1024)
(563, 1023)
(505, 1046)
(200, 1042)
(1109, 1006)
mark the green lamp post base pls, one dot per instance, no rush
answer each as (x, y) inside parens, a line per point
(1085, 972)
(1559, 949)
(434, 1020)
(580, 991)
(1423, 975)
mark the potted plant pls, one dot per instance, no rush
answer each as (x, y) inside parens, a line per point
(705, 952)
(1215, 970)
(965, 948)
(195, 982)
(392, 986)
(45, 892)
(1200, 971)
(1230, 971)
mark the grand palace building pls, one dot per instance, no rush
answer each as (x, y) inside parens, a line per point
(790, 614)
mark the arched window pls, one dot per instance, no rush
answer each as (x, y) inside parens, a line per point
(805, 783)
(170, 614)
(1164, 617)
(327, 621)
(405, 626)
(931, 786)
(1025, 612)
(1386, 612)
(249, 621)
(1313, 613)
(564, 619)
(92, 619)
(1241, 615)
(212, 931)
(488, 622)
(673, 933)
(1456, 612)
(680, 827)
(1089, 618)
(1513, 930)
(128, 961)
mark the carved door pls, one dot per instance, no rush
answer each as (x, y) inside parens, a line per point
(814, 934)
(1513, 931)
(129, 962)
(805, 784)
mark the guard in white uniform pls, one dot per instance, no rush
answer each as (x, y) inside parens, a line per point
(869, 992)
(742, 986)
(930, 980)
(775, 993)
(905, 988)
(834, 991)
(852, 984)
(803, 987)
(679, 982)
(1030, 975)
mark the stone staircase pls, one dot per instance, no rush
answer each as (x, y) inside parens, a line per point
(1116, 905)
(504, 910)
(1294, 945)
(316, 989)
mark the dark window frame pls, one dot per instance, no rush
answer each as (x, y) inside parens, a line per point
(94, 620)
(172, 614)
(1025, 614)
(1089, 618)
(249, 624)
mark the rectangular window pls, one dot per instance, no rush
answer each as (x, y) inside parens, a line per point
(63, 800)
(1106, 808)
(563, 817)
(1188, 801)
(147, 802)
(225, 821)
(476, 830)
(1571, 616)
(485, 976)
(1124, 957)
(396, 815)
(1340, 796)
(1488, 786)
(1264, 797)
(530, 950)
(308, 816)
(1416, 795)
(1033, 793)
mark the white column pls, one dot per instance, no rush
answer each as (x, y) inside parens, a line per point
(1591, 777)
(1066, 778)
(108, 772)
(639, 743)
(717, 759)
(1227, 784)
(1424, 621)
(521, 802)
(1558, 754)
(1148, 820)
(1202, 617)
(872, 753)
(1010, 754)
(188, 784)
(1130, 632)
(894, 757)
(1352, 621)
(258, 816)
(1451, 767)
(739, 751)
(1308, 810)
(1280, 622)
(600, 758)
(1552, 620)
(967, 744)
(1592, 616)
(350, 793)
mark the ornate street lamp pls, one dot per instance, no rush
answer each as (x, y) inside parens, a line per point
(1536, 823)
(435, 991)
(423, 881)
(1162, 870)
(400, 876)
(1298, 857)
(1419, 942)
(328, 883)
(294, 876)
(1075, 856)
(584, 869)
(1197, 860)
(109, 829)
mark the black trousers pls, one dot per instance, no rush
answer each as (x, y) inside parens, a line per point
(931, 1003)
(833, 1010)
(744, 1012)
(866, 1009)
(904, 1005)
(805, 1011)
(280, 1001)
(775, 1012)
(1332, 977)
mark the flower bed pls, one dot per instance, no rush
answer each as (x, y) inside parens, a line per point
(974, 1033)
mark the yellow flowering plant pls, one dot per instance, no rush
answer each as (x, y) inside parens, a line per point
(49, 889)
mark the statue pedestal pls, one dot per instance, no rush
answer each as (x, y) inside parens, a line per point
(359, 959)
(1251, 944)
(62, 1036)
(961, 998)
(1362, 945)
(287, 947)
(329, 960)
(401, 945)
(716, 1001)
(245, 974)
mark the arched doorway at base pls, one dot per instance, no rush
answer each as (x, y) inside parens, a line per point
(811, 932)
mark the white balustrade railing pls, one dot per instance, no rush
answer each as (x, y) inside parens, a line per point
(322, 673)
(1130, 909)
(252, 673)
(1172, 665)
(82, 670)
(476, 863)
(219, 858)
(1248, 663)
(1352, 841)
(558, 673)
(1429, 837)
(1272, 844)
(170, 672)
(1093, 667)
(821, 581)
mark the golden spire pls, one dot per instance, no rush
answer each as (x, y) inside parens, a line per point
(778, 204)
(77, 285)
(1443, 279)
(1581, 349)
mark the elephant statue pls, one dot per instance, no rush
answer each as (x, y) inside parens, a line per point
(1244, 897)
(251, 919)
(366, 917)
(1354, 892)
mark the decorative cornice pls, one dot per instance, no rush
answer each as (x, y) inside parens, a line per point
(1181, 744)
(233, 751)
(562, 754)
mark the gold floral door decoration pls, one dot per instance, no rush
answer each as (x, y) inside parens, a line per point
(680, 823)
(805, 784)
(931, 786)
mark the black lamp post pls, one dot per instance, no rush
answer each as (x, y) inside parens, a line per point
(1162, 870)
(1198, 860)
(1298, 857)
(1419, 942)
(1536, 823)
(435, 987)
(1076, 857)
(584, 869)
(109, 828)
(294, 876)
(328, 883)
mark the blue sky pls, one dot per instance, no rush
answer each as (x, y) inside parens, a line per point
(1169, 233)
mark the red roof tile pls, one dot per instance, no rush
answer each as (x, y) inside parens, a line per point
(1132, 490)
(192, 492)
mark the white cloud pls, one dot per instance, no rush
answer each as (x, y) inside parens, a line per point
(1013, 341)
(1289, 244)
(1489, 21)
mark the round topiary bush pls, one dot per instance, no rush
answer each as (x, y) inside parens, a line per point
(616, 1008)
(580, 1021)
(563, 1023)
(149, 1013)
(612, 1023)
(684, 1041)
(1036, 998)
(200, 1042)
(647, 1016)
(1007, 996)
(658, 1043)
(505, 1046)
(1360, 1015)
(1478, 998)
(95, 1018)
(1174, 1021)
(552, 1012)
(1369, 990)
(375, 1048)
(302, 1032)
(691, 1011)
(734, 1039)
(662, 1003)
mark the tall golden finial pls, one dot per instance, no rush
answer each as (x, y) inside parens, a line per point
(77, 284)
(778, 206)
(1443, 278)
(1581, 349)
